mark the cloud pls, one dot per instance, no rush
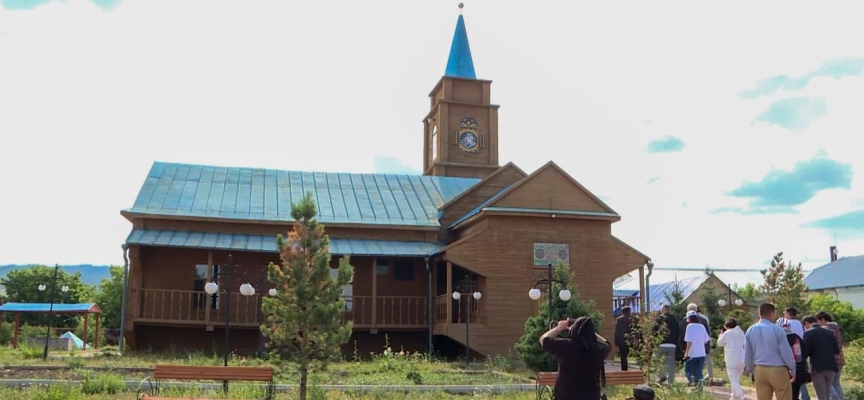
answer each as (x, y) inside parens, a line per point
(666, 144)
(794, 114)
(851, 223)
(791, 188)
(393, 165)
(652, 180)
(834, 68)
(106, 5)
(755, 210)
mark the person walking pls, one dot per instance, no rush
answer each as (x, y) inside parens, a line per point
(790, 321)
(623, 327)
(702, 319)
(732, 341)
(768, 356)
(802, 373)
(820, 346)
(669, 346)
(695, 337)
(827, 321)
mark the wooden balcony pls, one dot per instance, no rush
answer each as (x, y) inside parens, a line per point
(184, 307)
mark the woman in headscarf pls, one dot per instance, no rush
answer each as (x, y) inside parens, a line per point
(802, 372)
(580, 358)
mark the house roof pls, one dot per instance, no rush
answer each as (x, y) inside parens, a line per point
(256, 194)
(657, 292)
(845, 272)
(83, 308)
(267, 243)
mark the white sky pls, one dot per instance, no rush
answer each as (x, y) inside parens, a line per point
(90, 97)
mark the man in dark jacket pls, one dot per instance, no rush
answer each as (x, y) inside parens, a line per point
(622, 331)
(820, 346)
(669, 347)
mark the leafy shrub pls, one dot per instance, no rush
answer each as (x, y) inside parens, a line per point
(851, 321)
(500, 363)
(102, 383)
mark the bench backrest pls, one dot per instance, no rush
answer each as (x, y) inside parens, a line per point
(613, 378)
(188, 372)
(546, 378)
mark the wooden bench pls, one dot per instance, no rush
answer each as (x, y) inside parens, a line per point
(546, 381)
(197, 373)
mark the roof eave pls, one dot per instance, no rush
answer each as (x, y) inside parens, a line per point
(132, 214)
(536, 213)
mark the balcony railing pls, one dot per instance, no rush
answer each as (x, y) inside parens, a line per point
(191, 307)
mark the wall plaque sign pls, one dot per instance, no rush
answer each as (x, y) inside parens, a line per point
(545, 253)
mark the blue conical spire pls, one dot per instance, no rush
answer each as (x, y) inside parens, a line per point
(460, 63)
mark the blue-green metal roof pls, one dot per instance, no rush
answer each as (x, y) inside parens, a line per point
(257, 194)
(267, 243)
(46, 307)
(460, 64)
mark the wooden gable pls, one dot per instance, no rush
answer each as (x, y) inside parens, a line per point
(550, 188)
(505, 176)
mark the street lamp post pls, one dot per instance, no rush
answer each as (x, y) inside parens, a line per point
(42, 288)
(468, 286)
(738, 302)
(548, 281)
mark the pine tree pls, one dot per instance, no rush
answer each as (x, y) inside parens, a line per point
(528, 346)
(675, 298)
(304, 320)
(793, 290)
(773, 276)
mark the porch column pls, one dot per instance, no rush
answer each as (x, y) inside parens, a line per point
(447, 292)
(207, 299)
(374, 294)
(96, 333)
(86, 318)
(642, 290)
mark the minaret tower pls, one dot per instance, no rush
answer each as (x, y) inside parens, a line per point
(461, 129)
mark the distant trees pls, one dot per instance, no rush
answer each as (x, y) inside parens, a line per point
(304, 319)
(109, 297)
(22, 286)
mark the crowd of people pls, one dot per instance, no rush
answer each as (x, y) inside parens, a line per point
(780, 355)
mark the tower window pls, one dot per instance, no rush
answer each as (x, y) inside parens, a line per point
(434, 142)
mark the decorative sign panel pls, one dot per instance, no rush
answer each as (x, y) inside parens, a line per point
(545, 253)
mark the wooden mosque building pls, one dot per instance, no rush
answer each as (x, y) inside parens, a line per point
(413, 239)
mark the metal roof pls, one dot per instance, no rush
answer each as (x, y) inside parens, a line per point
(267, 243)
(45, 307)
(658, 291)
(845, 272)
(266, 194)
(460, 64)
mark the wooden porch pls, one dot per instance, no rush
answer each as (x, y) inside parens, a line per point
(186, 307)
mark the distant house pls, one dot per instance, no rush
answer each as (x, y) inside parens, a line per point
(842, 278)
(691, 286)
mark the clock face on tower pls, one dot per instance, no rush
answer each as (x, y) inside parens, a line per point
(468, 138)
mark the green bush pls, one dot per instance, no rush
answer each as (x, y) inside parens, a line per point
(6, 334)
(528, 346)
(102, 383)
(851, 321)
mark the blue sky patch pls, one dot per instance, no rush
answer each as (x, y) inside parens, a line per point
(794, 114)
(755, 210)
(106, 5)
(791, 188)
(851, 222)
(834, 68)
(666, 144)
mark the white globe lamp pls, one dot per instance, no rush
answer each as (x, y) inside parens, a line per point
(41, 287)
(739, 302)
(211, 288)
(477, 295)
(534, 294)
(247, 290)
(457, 296)
(564, 295)
(64, 288)
(272, 292)
(721, 302)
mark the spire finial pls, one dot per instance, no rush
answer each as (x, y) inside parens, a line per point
(460, 7)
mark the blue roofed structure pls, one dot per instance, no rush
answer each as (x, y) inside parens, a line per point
(84, 308)
(460, 64)
(265, 195)
(845, 272)
(657, 292)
